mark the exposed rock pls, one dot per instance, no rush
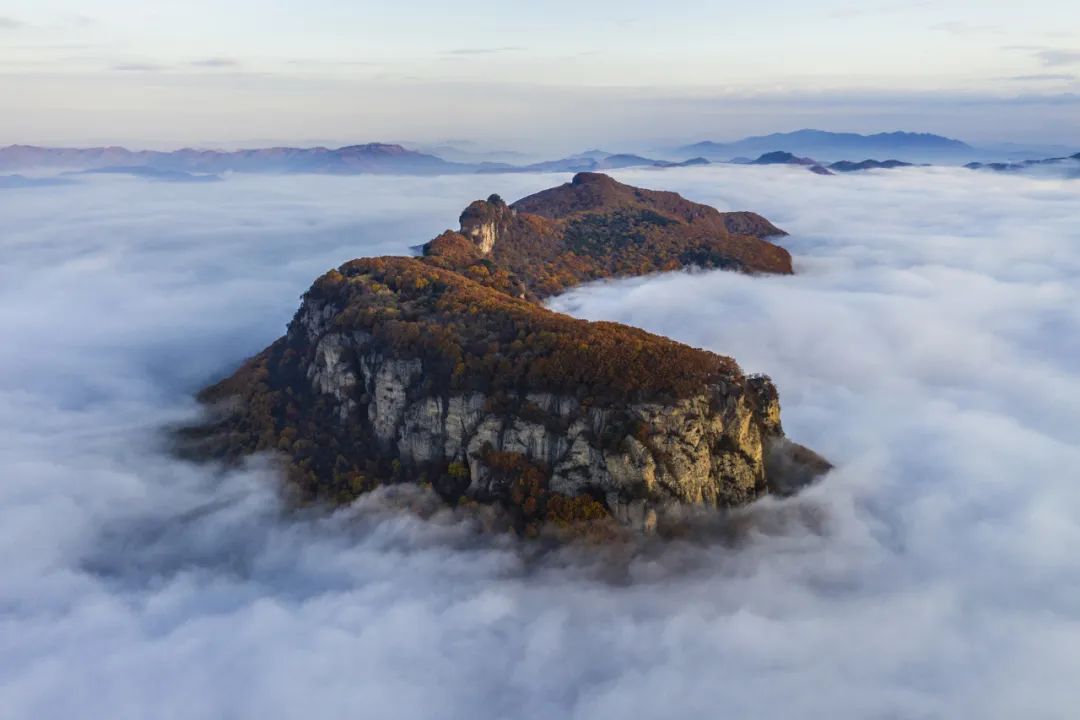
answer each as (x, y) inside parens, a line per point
(480, 222)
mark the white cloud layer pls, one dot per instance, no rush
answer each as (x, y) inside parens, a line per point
(928, 347)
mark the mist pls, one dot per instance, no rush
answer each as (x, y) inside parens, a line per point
(927, 346)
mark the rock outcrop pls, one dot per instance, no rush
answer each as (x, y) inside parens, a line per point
(404, 369)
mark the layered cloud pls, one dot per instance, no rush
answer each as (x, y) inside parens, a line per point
(928, 346)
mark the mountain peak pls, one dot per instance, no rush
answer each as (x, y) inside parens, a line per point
(595, 226)
(383, 148)
(592, 178)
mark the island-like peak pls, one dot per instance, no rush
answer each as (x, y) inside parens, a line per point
(439, 370)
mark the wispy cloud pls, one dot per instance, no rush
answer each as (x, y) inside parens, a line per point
(963, 28)
(1049, 56)
(80, 21)
(214, 62)
(485, 51)
(1040, 77)
(10, 23)
(138, 67)
(1054, 57)
(888, 8)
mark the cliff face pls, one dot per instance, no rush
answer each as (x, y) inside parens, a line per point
(401, 369)
(706, 448)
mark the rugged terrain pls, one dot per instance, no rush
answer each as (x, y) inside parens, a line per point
(422, 369)
(595, 227)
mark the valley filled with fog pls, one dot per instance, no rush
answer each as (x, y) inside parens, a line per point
(927, 345)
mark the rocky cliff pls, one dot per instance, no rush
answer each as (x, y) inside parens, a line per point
(399, 369)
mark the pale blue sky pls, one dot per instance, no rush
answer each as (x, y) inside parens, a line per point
(560, 72)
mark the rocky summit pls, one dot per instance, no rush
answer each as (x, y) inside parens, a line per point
(426, 369)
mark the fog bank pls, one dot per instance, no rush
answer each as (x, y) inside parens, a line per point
(927, 346)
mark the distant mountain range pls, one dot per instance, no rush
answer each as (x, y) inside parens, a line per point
(780, 157)
(594, 161)
(822, 152)
(830, 146)
(372, 158)
(1061, 167)
(1070, 164)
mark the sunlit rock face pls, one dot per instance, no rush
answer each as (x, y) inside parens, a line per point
(482, 220)
(704, 449)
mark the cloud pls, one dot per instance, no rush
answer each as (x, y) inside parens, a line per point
(139, 67)
(484, 50)
(81, 21)
(1040, 77)
(68, 21)
(1049, 56)
(215, 62)
(1054, 57)
(887, 8)
(928, 346)
(962, 28)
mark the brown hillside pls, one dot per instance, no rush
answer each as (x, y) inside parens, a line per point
(595, 227)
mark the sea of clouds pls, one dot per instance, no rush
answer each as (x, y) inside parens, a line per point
(929, 346)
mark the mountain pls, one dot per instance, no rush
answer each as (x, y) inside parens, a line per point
(780, 157)
(594, 161)
(848, 166)
(913, 147)
(469, 153)
(406, 370)
(1019, 152)
(371, 158)
(595, 227)
(1068, 167)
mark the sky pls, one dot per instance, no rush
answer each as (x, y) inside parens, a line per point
(926, 345)
(559, 74)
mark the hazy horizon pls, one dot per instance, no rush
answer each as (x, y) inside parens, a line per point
(556, 78)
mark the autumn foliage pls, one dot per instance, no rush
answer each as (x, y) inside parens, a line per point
(595, 227)
(473, 322)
